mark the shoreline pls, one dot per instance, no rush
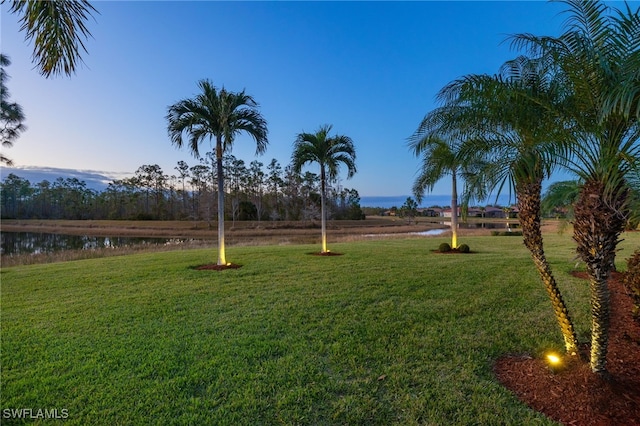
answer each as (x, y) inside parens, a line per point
(256, 229)
(203, 234)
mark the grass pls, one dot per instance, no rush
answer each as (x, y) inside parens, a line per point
(389, 333)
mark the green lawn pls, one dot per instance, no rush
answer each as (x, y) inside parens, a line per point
(388, 333)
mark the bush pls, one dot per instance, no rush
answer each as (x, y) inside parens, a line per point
(631, 281)
(444, 247)
(463, 248)
(144, 216)
(506, 233)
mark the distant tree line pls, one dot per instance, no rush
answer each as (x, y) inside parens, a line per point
(255, 193)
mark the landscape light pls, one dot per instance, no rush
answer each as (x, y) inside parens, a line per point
(555, 362)
(553, 359)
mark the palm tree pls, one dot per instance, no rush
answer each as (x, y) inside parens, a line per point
(440, 157)
(598, 57)
(508, 122)
(57, 29)
(11, 115)
(329, 152)
(220, 115)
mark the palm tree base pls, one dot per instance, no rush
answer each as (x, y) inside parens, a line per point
(568, 396)
(216, 267)
(325, 253)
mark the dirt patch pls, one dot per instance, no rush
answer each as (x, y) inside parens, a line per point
(325, 253)
(453, 251)
(573, 395)
(216, 267)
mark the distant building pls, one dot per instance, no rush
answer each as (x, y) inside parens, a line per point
(430, 212)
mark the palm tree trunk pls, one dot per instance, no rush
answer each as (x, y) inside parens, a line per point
(322, 208)
(454, 210)
(220, 174)
(529, 216)
(599, 220)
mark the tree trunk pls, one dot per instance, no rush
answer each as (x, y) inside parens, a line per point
(599, 220)
(454, 211)
(323, 214)
(222, 260)
(529, 216)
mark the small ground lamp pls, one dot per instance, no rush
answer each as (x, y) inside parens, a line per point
(554, 361)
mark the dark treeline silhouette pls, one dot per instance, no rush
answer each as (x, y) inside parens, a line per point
(255, 192)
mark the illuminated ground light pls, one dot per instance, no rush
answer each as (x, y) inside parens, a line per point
(554, 361)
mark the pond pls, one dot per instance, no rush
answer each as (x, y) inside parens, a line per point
(430, 232)
(16, 243)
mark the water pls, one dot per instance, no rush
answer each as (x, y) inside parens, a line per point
(435, 232)
(14, 243)
(429, 233)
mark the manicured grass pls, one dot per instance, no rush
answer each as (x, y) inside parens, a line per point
(388, 333)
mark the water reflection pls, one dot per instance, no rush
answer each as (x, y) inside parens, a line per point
(14, 243)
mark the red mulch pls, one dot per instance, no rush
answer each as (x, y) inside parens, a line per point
(215, 267)
(575, 395)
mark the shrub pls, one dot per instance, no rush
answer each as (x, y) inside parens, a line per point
(631, 281)
(506, 233)
(463, 248)
(444, 247)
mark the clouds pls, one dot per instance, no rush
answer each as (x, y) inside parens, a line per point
(94, 179)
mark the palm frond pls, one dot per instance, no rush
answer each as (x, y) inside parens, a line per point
(218, 114)
(328, 151)
(58, 30)
(588, 17)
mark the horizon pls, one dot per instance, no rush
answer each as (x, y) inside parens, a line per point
(99, 180)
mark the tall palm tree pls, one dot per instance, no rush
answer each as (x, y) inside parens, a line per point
(218, 116)
(509, 123)
(440, 157)
(596, 54)
(58, 30)
(329, 152)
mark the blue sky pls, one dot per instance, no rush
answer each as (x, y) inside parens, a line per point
(371, 69)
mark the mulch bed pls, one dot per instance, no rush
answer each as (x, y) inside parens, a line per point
(216, 267)
(325, 253)
(575, 395)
